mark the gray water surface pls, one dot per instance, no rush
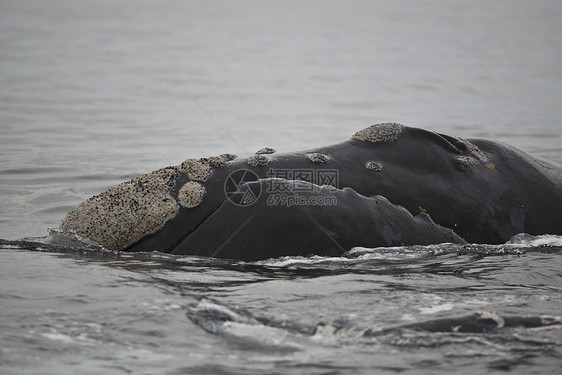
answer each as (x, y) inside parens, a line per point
(91, 312)
(96, 93)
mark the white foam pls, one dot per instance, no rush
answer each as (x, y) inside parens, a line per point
(206, 305)
(298, 260)
(526, 240)
(260, 334)
(81, 339)
(244, 328)
(447, 306)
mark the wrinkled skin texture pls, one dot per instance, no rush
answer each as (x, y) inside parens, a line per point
(395, 186)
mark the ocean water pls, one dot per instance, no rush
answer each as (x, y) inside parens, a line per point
(96, 93)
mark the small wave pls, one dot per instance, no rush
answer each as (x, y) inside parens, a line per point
(68, 246)
(65, 242)
(518, 244)
(526, 240)
(81, 339)
(241, 326)
(56, 240)
(72, 240)
(360, 257)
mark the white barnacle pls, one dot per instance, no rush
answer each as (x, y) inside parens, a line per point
(384, 133)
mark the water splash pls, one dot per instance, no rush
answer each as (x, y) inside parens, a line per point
(238, 325)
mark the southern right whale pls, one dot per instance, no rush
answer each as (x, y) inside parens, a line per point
(388, 185)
